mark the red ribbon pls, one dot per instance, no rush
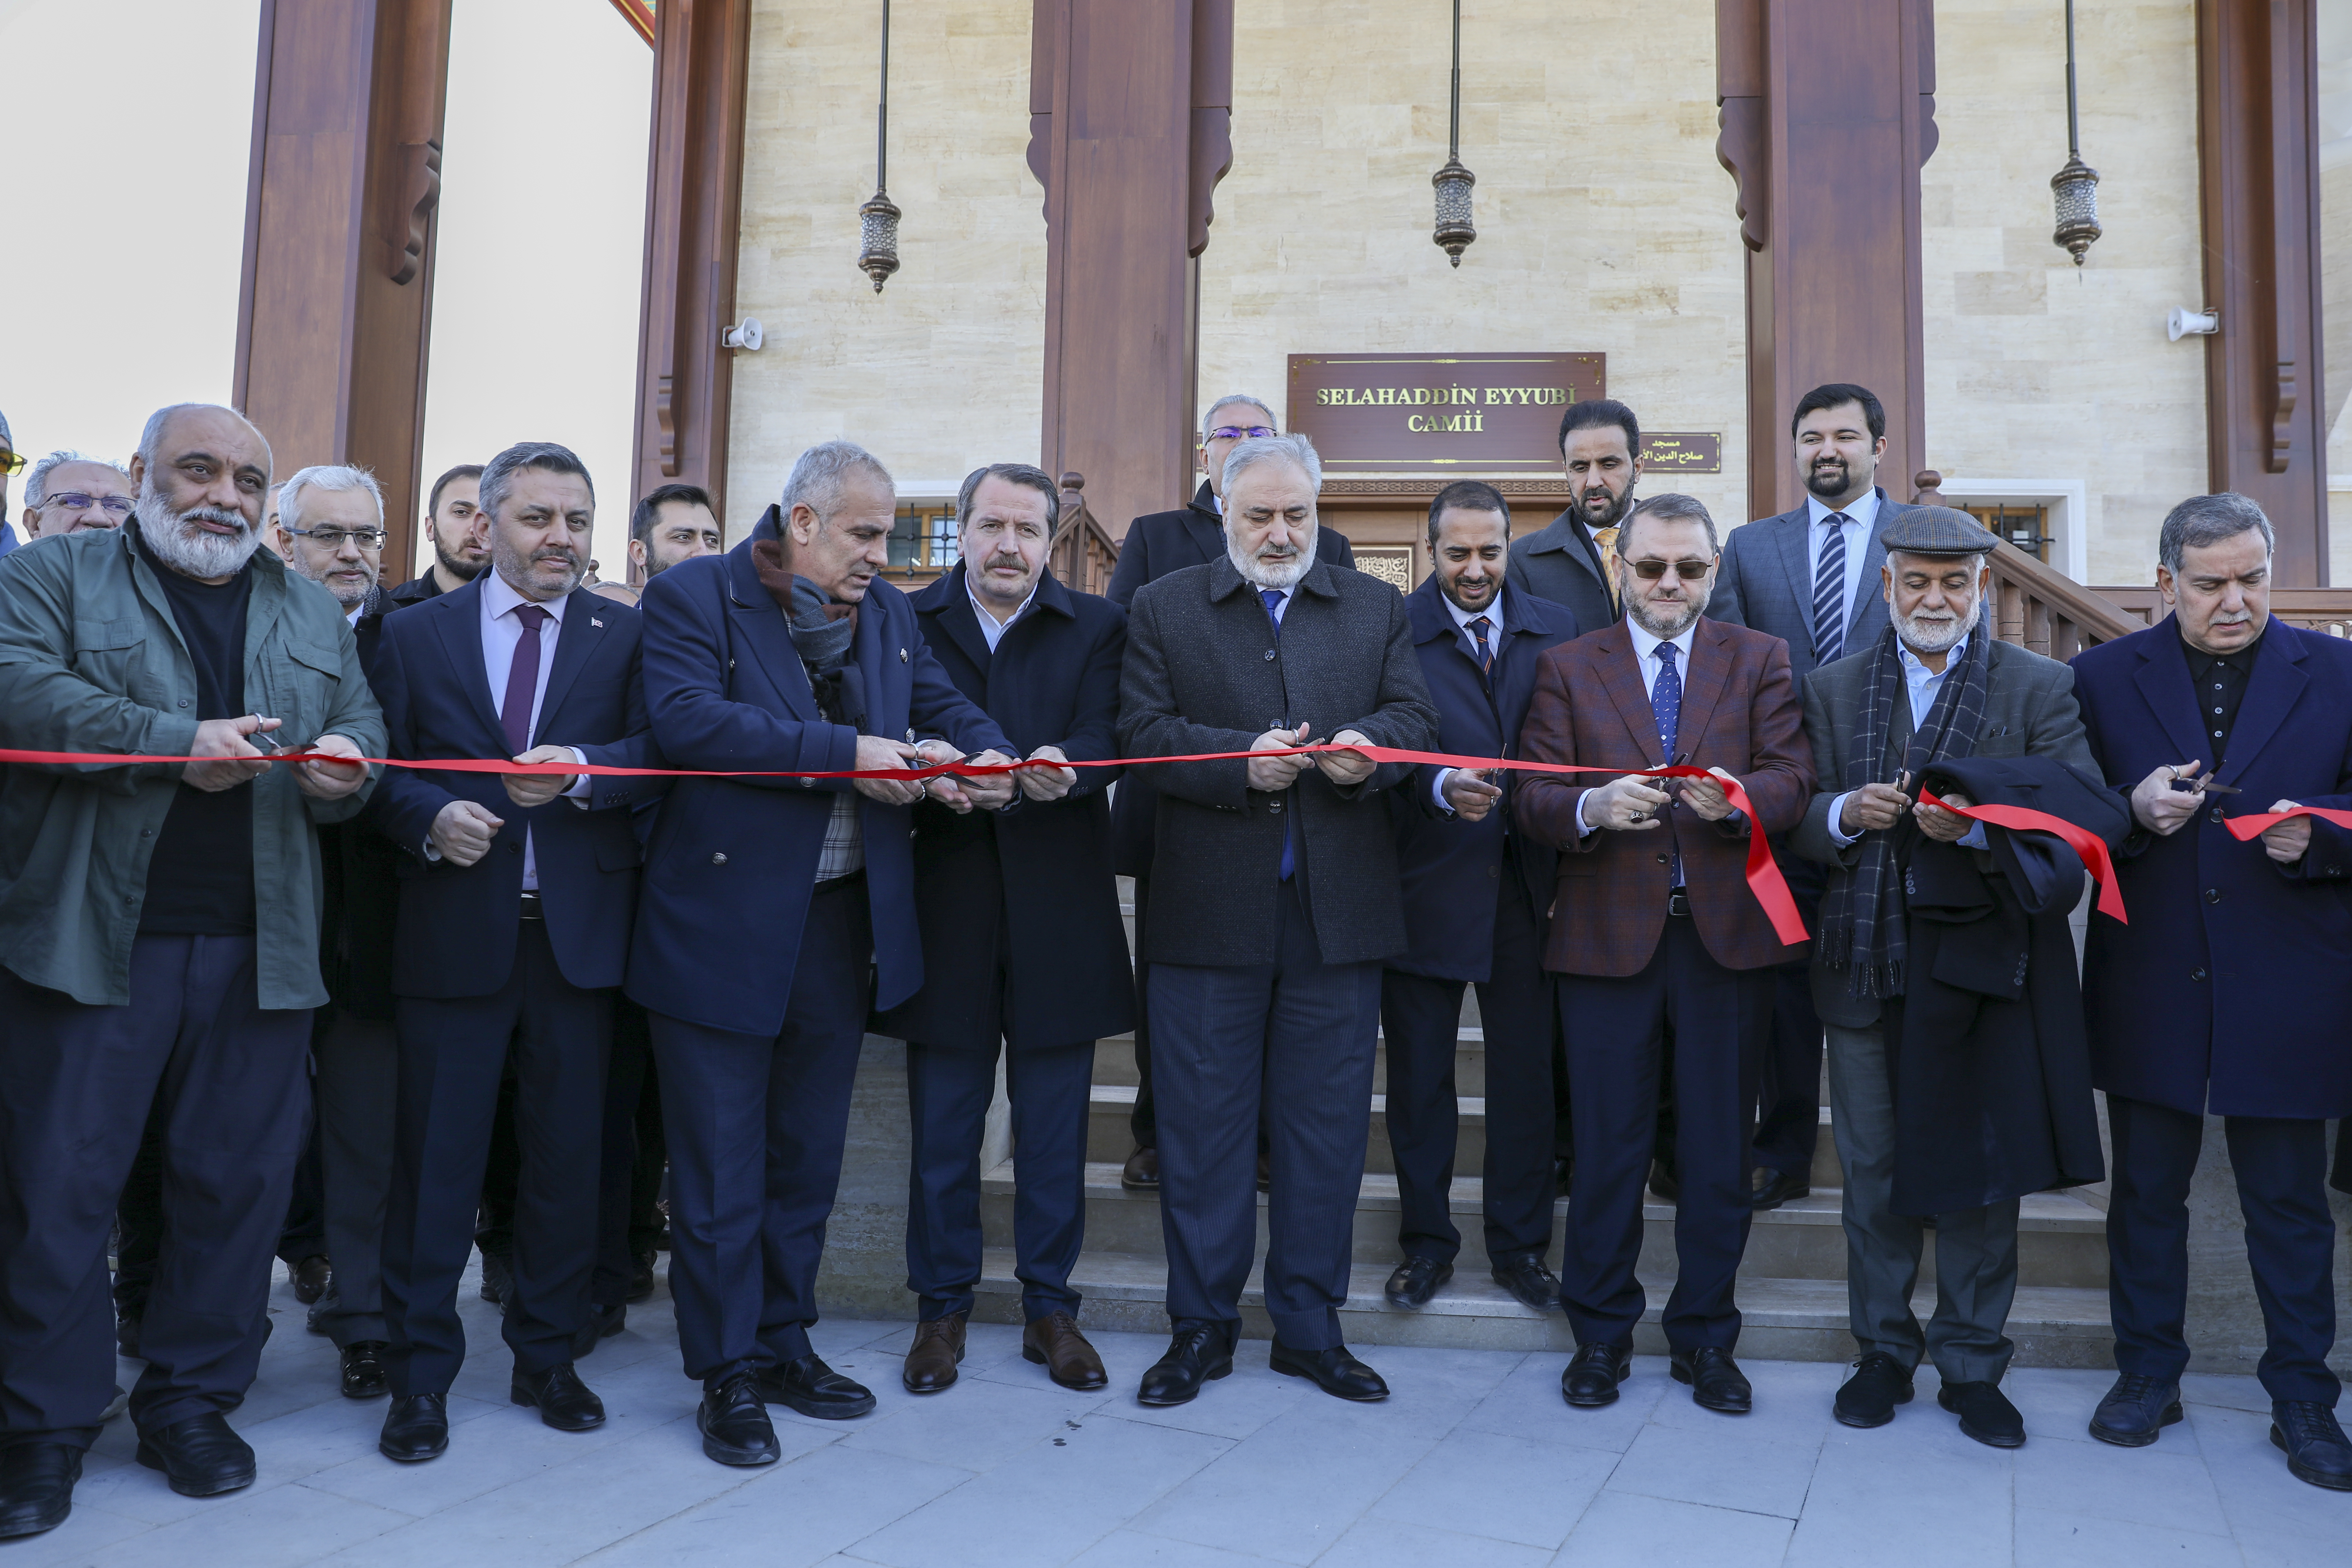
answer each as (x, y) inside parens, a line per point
(2089, 846)
(1764, 878)
(2254, 824)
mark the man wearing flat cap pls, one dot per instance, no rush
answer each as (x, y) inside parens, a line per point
(1943, 965)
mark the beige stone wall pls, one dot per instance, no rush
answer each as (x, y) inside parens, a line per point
(943, 370)
(1604, 222)
(2036, 371)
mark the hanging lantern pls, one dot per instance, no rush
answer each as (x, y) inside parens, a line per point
(1454, 231)
(877, 220)
(2076, 186)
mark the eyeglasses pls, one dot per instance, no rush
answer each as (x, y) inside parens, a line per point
(74, 500)
(332, 538)
(11, 462)
(1688, 571)
(1242, 432)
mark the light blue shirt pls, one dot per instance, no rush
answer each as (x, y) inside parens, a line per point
(1645, 655)
(1859, 519)
(1921, 684)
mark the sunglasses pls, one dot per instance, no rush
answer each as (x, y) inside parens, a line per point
(1242, 432)
(75, 501)
(1688, 571)
(11, 462)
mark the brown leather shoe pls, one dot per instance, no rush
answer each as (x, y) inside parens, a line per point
(931, 1359)
(1054, 1342)
(1141, 1171)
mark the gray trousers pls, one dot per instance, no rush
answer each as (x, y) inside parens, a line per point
(1976, 1249)
(359, 1076)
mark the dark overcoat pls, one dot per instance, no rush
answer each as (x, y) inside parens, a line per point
(1558, 562)
(1157, 543)
(1019, 909)
(1449, 866)
(2228, 989)
(1206, 673)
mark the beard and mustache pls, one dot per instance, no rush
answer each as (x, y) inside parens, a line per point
(1269, 570)
(180, 542)
(1940, 634)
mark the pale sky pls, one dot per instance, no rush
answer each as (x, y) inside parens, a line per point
(128, 229)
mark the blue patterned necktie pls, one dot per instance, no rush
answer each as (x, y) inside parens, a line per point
(1667, 706)
(1272, 599)
(1479, 627)
(1828, 592)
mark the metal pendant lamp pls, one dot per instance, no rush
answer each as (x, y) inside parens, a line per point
(1455, 230)
(2076, 186)
(877, 220)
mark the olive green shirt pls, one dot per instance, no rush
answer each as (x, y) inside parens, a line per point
(90, 660)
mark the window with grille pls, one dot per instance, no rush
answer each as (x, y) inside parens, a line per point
(2025, 525)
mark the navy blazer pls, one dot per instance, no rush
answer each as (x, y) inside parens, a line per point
(1766, 583)
(732, 861)
(455, 935)
(1041, 872)
(1449, 866)
(2228, 989)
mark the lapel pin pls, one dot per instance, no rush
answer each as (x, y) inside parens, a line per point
(902, 656)
(595, 621)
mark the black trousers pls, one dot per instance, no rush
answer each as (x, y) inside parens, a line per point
(1420, 1018)
(1145, 1121)
(635, 1153)
(1709, 1023)
(358, 1095)
(224, 1080)
(756, 1126)
(2282, 1170)
(139, 1215)
(451, 1054)
(1789, 1118)
(948, 1093)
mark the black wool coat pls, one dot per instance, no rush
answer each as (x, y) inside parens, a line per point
(1018, 910)
(1990, 1060)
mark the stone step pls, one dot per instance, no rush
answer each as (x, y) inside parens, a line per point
(2062, 1240)
(1783, 1319)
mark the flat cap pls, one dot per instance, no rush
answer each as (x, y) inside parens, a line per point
(1936, 531)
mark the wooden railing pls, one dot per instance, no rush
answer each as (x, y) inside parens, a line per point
(1083, 555)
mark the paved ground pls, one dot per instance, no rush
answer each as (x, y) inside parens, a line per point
(1474, 1462)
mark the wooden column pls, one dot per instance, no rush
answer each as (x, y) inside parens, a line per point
(1828, 111)
(694, 189)
(1130, 110)
(2257, 124)
(334, 311)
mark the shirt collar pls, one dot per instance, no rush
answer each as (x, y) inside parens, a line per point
(987, 615)
(1863, 511)
(498, 597)
(1914, 665)
(1647, 647)
(1461, 618)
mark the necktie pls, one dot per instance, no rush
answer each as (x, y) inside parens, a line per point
(1828, 592)
(1605, 545)
(1479, 627)
(522, 681)
(1272, 599)
(1667, 706)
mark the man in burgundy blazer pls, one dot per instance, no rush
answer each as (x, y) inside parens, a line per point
(1662, 953)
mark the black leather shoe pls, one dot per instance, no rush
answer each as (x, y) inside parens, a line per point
(641, 1274)
(815, 1390)
(2313, 1444)
(735, 1425)
(1416, 1279)
(312, 1277)
(1985, 1414)
(2135, 1411)
(363, 1374)
(1526, 1278)
(200, 1456)
(1593, 1374)
(498, 1278)
(1769, 1188)
(599, 1323)
(415, 1428)
(1198, 1352)
(36, 1483)
(1716, 1383)
(1334, 1371)
(1141, 1171)
(1868, 1398)
(126, 1335)
(564, 1402)
(1665, 1186)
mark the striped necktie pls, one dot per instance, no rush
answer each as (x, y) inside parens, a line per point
(1479, 627)
(1828, 592)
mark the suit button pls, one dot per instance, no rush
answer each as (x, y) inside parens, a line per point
(1275, 807)
(2196, 975)
(513, 848)
(1663, 860)
(1495, 871)
(2213, 895)
(184, 701)
(1269, 658)
(2217, 814)
(718, 859)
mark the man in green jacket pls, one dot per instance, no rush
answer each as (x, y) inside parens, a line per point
(159, 946)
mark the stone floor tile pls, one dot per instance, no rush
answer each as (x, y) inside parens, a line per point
(1512, 1488)
(2050, 1539)
(2256, 1489)
(2169, 1490)
(1526, 1403)
(86, 1533)
(1622, 1529)
(1940, 1497)
(1126, 1549)
(2232, 1393)
(287, 1525)
(973, 1426)
(2265, 1548)
(1725, 1469)
(1386, 1543)
(790, 1514)
(1234, 1407)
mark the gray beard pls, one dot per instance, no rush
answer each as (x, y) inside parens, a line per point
(1665, 631)
(188, 549)
(1260, 574)
(1941, 638)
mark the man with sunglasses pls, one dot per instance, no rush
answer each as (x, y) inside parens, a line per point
(1663, 955)
(1156, 544)
(67, 492)
(12, 462)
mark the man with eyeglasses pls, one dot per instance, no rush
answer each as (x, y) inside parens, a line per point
(1663, 955)
(67, 492)
(1156, 544)
(330, 528)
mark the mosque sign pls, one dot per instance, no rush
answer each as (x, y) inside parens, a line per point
(1438, 413)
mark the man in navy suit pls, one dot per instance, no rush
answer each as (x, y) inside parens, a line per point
(1157, 543)
(1022, 947)
(1476, 896)
(779, 908)
(516, 902)
(1810, 577)
(2228, 991)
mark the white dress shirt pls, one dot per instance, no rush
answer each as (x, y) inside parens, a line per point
(1462, 618)
(501, 635)
(1860, 517)
(1645, 654)
(989, 626)
(1921, 684)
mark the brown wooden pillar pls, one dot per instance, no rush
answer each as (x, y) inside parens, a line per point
(1828, 111)
(693, 187)
(2257, 127)
(334, 313)
(1129, 111)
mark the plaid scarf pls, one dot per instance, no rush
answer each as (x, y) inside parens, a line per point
(1863, 922)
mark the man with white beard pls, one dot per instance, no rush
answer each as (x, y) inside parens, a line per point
(1274, 898)
(158, 947)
